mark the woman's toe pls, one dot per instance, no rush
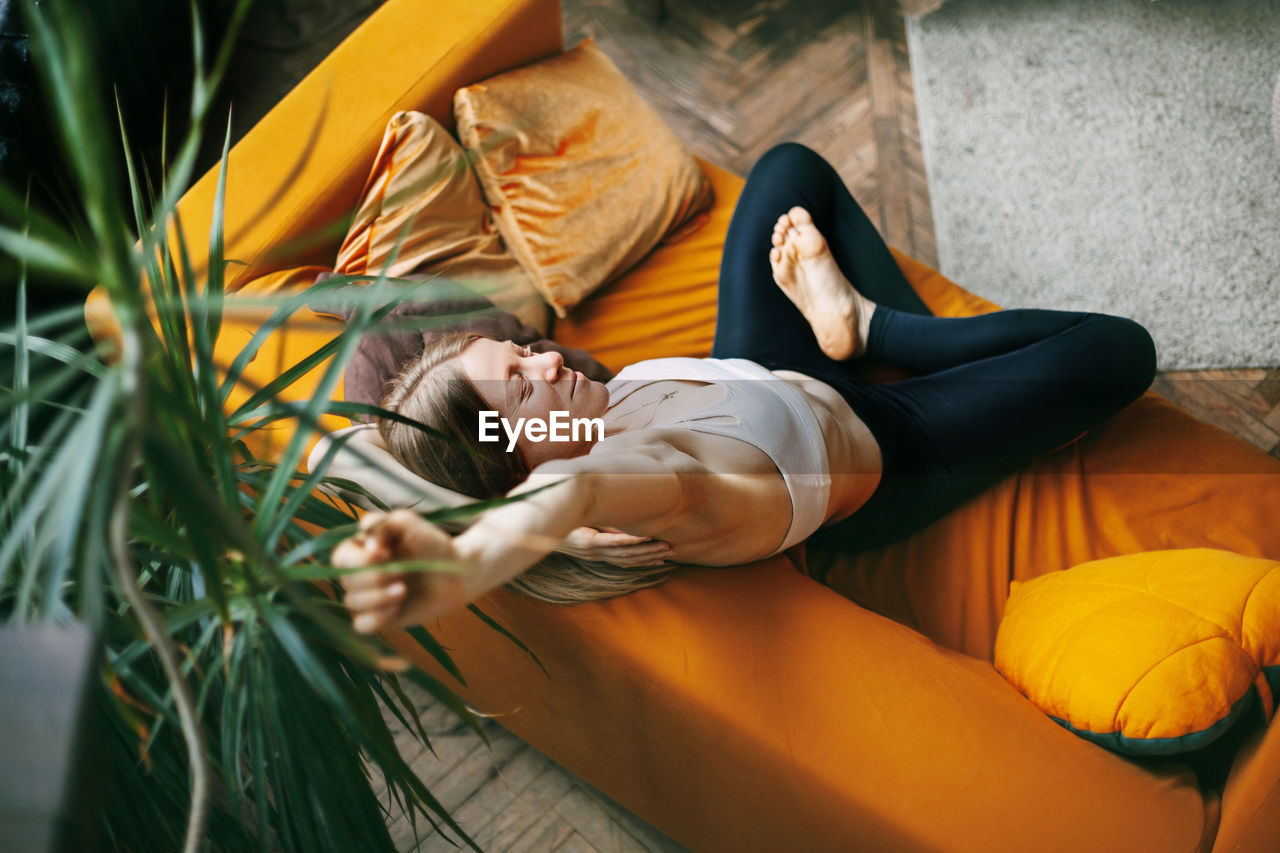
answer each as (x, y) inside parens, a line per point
(775, 256)
(799, 216)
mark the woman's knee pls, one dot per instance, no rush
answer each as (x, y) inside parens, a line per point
(1129, 351)
(792, 159)
(790, 150)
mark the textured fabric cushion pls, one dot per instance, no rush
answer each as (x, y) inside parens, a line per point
(422, 197)
(1154, 653)
(584, 176)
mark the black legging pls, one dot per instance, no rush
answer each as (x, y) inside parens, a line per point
(992, 391)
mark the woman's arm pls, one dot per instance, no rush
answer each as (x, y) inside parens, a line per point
(636, 490)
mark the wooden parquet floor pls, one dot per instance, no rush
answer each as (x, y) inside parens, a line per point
(732, 77)
(509, 797)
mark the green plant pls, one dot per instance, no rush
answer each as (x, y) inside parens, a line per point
(240, 706)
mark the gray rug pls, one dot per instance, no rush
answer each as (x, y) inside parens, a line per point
(1111, 155)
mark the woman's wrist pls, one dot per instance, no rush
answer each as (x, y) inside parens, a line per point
(487, 558)
(471, 568)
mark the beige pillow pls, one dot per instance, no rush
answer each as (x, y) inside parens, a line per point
(420, 186)
(583, 175)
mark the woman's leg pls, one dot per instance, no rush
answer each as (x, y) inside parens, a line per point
(755, 319)
(999, 389)
(1003, 387)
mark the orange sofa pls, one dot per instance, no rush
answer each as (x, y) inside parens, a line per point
(753, 708)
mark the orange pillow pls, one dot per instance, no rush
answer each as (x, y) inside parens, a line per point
(422, 194)
(1153, 653)
(583, 175)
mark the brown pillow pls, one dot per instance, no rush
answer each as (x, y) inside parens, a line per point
(583, 176)
(421, 191)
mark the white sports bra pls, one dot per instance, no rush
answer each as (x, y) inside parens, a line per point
(758, 408)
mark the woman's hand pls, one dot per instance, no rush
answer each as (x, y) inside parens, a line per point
(380, 598)
(615, 547)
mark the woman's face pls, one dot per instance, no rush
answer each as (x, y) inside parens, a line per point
(518, 383)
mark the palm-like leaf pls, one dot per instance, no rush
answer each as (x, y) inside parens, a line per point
(240, 706)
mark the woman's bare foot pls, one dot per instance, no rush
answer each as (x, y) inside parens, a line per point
(808, 274)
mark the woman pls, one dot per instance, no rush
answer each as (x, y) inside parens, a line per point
(737, 457)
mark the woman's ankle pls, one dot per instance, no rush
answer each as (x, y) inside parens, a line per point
(866, 309)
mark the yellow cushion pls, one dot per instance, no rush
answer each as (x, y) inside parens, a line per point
(583, 175)
(422, 204)
(1153, 653)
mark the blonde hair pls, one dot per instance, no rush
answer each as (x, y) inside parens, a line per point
(434, 391)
